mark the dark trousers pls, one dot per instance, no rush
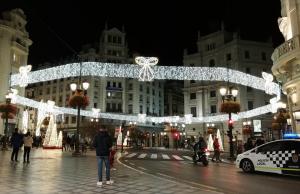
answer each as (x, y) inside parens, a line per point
(14, 154)
(26, 153)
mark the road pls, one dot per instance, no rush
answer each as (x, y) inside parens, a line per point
(219, 177)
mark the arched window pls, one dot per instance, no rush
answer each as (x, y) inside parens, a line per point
(212, 63)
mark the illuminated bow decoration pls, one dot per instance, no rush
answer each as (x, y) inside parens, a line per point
(146, 72)
(188, 118)
(269, 78)
(96, 112)
(24, 70)
(142, 118)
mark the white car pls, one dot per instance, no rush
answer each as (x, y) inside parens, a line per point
(281, 156)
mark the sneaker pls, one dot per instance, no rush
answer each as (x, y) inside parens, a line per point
(109, 182)
(99, 184)
(113, 169)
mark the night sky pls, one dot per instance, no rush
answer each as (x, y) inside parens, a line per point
(154, 28)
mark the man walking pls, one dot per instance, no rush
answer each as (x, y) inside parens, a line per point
(103, 144)
(27, 147)
(16, 141)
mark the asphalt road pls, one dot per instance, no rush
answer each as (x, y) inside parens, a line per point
(219, 177)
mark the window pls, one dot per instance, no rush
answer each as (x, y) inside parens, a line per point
(159, 94)
(130, 96)
(119, 107)
(130, 86)
(114, 39)
(148, 90)
(213, 109)
(212, 63)
(96, 83)
(192, 65)
(114, 84)
(250, 105)
(249, 89)
(194, 111)
(141, 98)
(247, 55)
(270, 147)
(54, 90)
(248, 70)
(60, 98)
(73, 120)
(41, 92)
(148, 100)
(192, 96)
(148, 110)
(67, 120)
(192, 81)
(141, 87)
(114, 107)
(95, 105)
(48, 91)
(263, 56)
(48, 82)
(120, 85)
(109, 38)
(107, 107)
(130, 109)
(108, 84)
(213, 94)
(141, 109)
(159, 85)
(228, 57)
(119, 40)
(153, 92)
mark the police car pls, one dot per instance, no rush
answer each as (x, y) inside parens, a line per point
(281, 156)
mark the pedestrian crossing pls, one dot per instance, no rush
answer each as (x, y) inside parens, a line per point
(157, 156)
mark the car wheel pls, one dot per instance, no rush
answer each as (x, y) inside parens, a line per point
(247, 165)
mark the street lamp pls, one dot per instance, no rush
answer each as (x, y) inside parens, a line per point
(79, 100)
(229, 105)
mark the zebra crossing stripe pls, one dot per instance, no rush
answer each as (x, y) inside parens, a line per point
(188, 157)
(131, 155)
(142, 155)
(177, 157)
(153, 156)
(165, 157)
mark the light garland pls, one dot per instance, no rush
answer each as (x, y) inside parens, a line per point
(142, 118)
(146, 72)
(158, 72)
(25, 121)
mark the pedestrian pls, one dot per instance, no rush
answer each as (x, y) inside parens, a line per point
(112, 159)
(103, 144)
(27, 147)
(259, 142)
(248, 145)
(216, 150)
(16, 141)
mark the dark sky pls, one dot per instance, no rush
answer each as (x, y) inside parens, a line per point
(154, 28)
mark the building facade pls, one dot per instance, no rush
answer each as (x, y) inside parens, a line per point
(113, 95)
(286, 58)
(14, 50)
(225, 49)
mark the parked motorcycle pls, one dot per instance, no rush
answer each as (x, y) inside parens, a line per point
(201, 156)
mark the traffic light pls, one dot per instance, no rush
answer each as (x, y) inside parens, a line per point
(230, 124)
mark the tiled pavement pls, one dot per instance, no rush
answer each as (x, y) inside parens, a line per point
(51, 171)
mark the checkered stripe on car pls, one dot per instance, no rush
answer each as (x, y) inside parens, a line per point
(280, 158)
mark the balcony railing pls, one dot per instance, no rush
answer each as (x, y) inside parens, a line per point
(286, 48)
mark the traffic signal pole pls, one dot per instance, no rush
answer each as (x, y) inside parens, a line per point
(230, 127)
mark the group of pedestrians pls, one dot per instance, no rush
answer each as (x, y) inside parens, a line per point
(17, 141)
(249, 144)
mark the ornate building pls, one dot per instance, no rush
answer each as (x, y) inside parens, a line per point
(14, 50)
(226, 49)
(286, 58)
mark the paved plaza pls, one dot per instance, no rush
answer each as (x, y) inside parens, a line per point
(52, 171)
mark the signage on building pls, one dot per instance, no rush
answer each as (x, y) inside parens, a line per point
(257, 126)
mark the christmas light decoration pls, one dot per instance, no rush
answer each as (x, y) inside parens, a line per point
(133, 71)
(24, 70)
(157, 72)
(146, 72)
(59, 140)
(25, 121)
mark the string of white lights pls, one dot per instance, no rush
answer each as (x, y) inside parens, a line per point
(159, 72)
(141, 118)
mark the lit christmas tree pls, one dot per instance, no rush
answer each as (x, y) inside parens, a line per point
(210, 145)
(220, 140)
(59, 140)
(51, 134)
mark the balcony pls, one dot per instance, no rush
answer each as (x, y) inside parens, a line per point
(19, 46)
(285, 52)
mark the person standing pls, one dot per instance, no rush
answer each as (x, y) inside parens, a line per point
(216, 150)
(16, 141)
(103, 144)
(27, 146)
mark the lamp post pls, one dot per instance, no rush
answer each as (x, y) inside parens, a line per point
(229, 106)
(77, 89)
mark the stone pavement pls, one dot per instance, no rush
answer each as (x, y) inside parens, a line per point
(52, 171)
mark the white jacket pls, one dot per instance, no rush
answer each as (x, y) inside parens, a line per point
(28, 141)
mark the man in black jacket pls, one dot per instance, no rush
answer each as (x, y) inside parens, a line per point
(103, 144)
